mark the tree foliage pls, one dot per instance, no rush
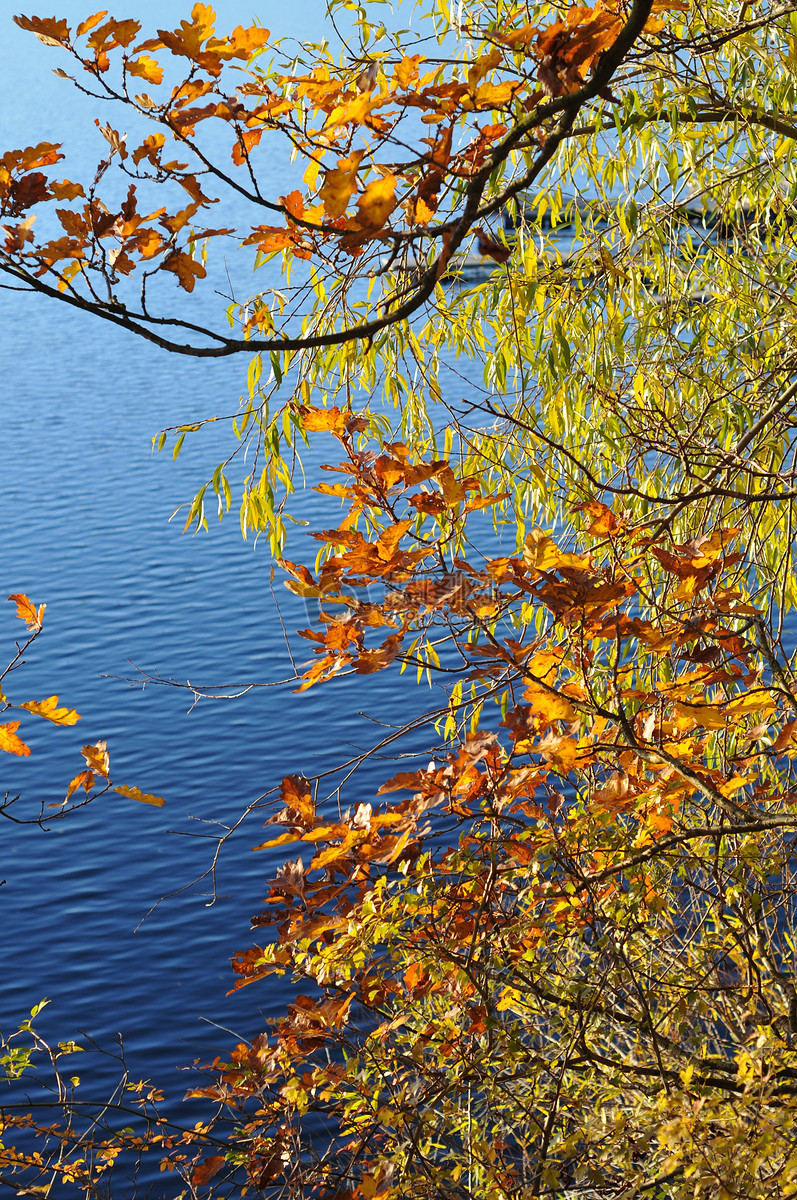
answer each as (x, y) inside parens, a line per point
(564, 961)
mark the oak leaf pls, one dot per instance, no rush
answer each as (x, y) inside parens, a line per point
(324, 420)
(602, 519)
(10, 742)
(296, 794)
(204, 1172)
(294, 203)
(406, 71)
(146, 68)
(86, 780)
(246, 41)
(87, 25)
(50, 711)
(97, 758)
(186, 268)
(134, 793)
(27, 611)
(50, 30)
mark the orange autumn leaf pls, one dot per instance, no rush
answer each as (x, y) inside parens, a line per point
(50, 30)
(324, 420)
(27, 611)
(296, 794)
(10, 742)
(66, 190)
(134, 793)
(602, 519)
(204, 1172)
(97, 758)
(247, 140)
(246, 41)
(146, 68)
(406, 71)
(370, 661)
(50, 711)
(294, 203)
(269, 238)
(784, 737)
(87, 25)
(85, 779)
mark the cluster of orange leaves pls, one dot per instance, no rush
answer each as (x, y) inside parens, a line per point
(567, 723)
(623, 752)
(97, 770)
(323, 111)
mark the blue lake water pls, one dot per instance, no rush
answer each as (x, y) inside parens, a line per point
(85, 528)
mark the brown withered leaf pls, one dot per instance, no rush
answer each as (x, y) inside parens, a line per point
(205, 1171)
(490, 248)
(187, 269)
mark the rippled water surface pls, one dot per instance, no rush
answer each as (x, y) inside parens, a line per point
(85, 527)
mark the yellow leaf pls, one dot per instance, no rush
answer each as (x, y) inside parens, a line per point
(10, 742)
(406, 71)
(549, 705)
(323, 833)
(50, 711)
(707, 715)
(486, 62)
(495, 95)
(97, 758)
(85, 780)
(310, 176)
(146, 68)
(376, 203)
(752, 702)
(134, 793)
(541, 552)
(339, 183)
(282, 840)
